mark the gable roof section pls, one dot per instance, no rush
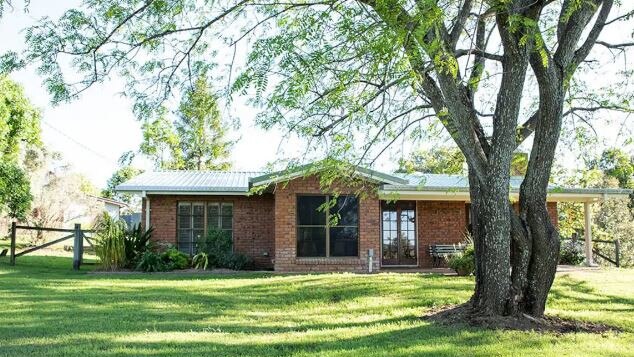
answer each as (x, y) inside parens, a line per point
(300, 171)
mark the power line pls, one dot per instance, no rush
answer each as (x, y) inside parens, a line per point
(78, 143)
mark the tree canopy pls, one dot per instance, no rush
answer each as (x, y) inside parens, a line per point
(19, 133)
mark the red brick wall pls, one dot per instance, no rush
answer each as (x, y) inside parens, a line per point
(439, 222)
(253, 222)
(286, 231)
(552, 212)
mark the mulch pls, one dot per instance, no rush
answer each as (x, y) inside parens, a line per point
(461, 315)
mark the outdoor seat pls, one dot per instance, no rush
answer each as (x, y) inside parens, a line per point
(439, 252)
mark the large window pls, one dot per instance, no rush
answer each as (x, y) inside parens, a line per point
(193, 221)
(330, 232)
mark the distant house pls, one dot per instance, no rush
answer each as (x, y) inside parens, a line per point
(113, 207)
(282, 228)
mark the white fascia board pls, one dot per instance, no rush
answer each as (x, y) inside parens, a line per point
(464, 196)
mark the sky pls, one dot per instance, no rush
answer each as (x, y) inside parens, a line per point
(94, 130)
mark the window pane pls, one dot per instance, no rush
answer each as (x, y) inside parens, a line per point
(311, 242)
(184, 222)
(227, 216)
(184, 208)
(307, 210)
(199, 209)
(344, 242)
(213, 215)
(227, 209)
(347, 209)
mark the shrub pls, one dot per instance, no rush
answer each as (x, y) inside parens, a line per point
(151, 262)
(463, 263)
(200, 261)
(237, 261)
(110, 242)
(175, 259)
(571, 253)
(137, 242)
(217, 246)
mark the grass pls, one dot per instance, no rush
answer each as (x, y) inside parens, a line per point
(48, 310)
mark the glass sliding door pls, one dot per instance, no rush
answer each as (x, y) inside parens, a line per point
(398, 233)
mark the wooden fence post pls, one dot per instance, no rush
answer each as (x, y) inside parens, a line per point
(78, 247)
(13, 236)
(617, 250)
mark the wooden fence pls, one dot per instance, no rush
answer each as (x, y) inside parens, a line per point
(600, 250)
(77, 234)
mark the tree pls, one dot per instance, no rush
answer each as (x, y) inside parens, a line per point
(120, 176)
(161, 143)
(201, 130)
(492, 73)
(441, 160)
(616, 163)
(15, 191)
(451, 161)
(19, 132)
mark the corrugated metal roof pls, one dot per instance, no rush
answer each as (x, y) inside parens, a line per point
(238, 182)
(190, 181)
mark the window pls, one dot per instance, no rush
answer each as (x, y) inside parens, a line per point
(330, 233)
(193, 222)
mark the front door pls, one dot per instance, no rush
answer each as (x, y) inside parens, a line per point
(398, 233)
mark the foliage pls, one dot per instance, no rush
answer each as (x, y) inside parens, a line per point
(161, 143)
(451, 161)
(200, 261)
(613, 221)
(19, 129)
(616, 163)
(463, 263)
(15, 191)
(442, 160)
(110, 242)
(137, 242)
(201, 130)
(19, 121)
(175, 259)
(217, 246)
(571, 252)
(150, 262)
(120, 176)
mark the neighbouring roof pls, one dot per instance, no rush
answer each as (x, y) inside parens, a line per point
(414, 186)
(110, 201)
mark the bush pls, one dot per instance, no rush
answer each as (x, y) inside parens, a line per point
(175, 259)
(237, 261)
(217, 246)
(137, 242)
(151, 262)
(463, 263)
(571, 253)
(110, 242)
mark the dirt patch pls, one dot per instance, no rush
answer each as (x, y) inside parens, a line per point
(463, 315)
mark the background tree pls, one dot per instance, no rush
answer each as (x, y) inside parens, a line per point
(201, 130)
(161, 144)
(443, 160)
(492, 73)
(19, 132)
(120, 176)
(616, 163)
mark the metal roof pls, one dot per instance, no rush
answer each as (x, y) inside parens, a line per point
(240, 182)
(190, 181)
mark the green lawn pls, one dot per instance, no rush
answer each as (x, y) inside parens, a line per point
(46, 309)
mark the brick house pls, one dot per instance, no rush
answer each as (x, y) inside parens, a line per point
(283, 228)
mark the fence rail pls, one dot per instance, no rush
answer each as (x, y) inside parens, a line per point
(616, 260)
(77, 234)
